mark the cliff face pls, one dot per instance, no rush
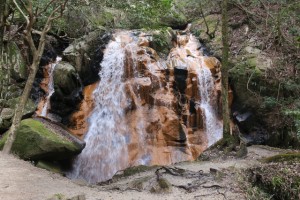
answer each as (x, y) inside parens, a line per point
(147, 109)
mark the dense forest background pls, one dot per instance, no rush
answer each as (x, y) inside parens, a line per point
(263, 73)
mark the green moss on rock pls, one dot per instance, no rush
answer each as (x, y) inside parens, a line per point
(162, 41)
(66, 79)
(29, 108)
(288, 157)
(34, 141)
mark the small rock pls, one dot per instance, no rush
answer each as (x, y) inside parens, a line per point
(7, 113)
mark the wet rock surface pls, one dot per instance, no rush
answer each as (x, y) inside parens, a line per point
(149, 107)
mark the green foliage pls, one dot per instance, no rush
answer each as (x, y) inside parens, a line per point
(280, 180)
(255, 193)
(269, 103)
(295, 114)
(161, 41)
(276, 181)
(118, 14)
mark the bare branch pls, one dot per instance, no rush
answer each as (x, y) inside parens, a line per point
(21, 11)
(48, 24)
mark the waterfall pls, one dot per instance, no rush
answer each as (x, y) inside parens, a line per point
(106, 140)
(213, 127)
(136, 119)
(51, 90)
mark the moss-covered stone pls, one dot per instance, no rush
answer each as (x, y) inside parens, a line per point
(288, 157)
(29, 108)
(67, 86)
(7, 113)
(137, 169)
(66, 79)
(162, 186)
(5, 118)
(19, 69)
(34, 141)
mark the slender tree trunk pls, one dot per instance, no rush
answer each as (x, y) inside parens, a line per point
(3, 57)
(20, 107)
(25, 95)
(3, 16)
(225, 55)
(37, 52)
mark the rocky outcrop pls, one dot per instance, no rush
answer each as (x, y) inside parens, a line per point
(78, 123)
(86, 54)
(38, 139)
(157, 105)
(8, 109)
(67, 89)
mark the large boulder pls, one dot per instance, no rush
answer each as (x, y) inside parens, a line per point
(68, 88)
(5, 118)
(86, 54)
(19, 69)
(65, 78)
(37, 140)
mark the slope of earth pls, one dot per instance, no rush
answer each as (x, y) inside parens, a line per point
(213, 179)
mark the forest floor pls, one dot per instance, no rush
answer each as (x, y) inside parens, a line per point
(216, 178)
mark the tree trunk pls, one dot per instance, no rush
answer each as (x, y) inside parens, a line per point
(26, 92)
(21, 105)
(3, 13)
(37, 53)
(225, 55)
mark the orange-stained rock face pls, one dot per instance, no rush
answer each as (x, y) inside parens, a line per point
(78, 122)
(44, 86)
(164, 115)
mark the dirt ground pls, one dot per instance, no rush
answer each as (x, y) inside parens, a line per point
(213, 179)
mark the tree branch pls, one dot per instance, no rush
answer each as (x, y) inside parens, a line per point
(21, 11)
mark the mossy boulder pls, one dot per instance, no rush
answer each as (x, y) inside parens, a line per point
(86, 54)
(68, 89)
(5, 118)
(34, 141)
(66, 79)
(29, 108)
(19, 69)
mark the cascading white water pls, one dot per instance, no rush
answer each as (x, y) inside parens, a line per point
(213, 127)
(50, 88)
(116, 138)
(106, 140)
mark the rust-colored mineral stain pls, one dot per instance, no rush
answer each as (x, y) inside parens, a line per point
(78, 120)
(44, 86)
